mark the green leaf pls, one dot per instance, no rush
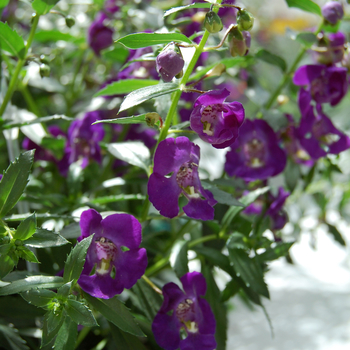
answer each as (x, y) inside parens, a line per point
(125, 341)
(53, 322)
(219, 309)
(71, 231)
(118, 54)
(11, 124)
(187, 7)
(179, 259)
(125, 86)
(14, 181)
(38, 297)
(10, 41)
(80, 313)
(42, 7)
(3, 3)
(31, 282)
(231, 289)
(43, 238)
(271, 58)
(336, 234)
(26, 228)
(64, 290)
(44, 36)
(116, 312)
(132, 152)
(138, 40)
(137, 119)
(117, 198)
(291, 175)
(305, 5)
(76, 259)
(249, 269)
(236, 241)
(221, 196)
(6, 265)
(307, 38)
(67, 335)
(281, 249)
(144, 94)
(27, 254)
(10, 339)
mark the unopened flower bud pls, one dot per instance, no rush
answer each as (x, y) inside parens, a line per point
(212, 22)
(239, 42)
(245, 20)
(152, 118)
(169, 63)
(44, 70)
(217, 70)
(332, 12)
(70, 21)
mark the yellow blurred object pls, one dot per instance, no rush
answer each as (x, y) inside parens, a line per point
(279, 25)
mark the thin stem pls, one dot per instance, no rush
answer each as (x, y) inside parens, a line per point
(29, 100)
(211, 48)
(20, 63)
(154, 287)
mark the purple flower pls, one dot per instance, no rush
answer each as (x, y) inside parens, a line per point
(318, 135)
(331, 48)
(179, 158)
(114, 260)
(99, 35)
(275, 208)
(324, 84)
(185, 311)
(217, 122)
(332, 12)
(169, 64)
(256, 153)
(83, 139)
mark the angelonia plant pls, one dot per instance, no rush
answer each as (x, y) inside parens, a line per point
(156, 157)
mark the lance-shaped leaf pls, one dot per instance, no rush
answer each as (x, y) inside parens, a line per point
(179, 259)
(38, 297)
(138, 40)
(3, 3)
(125, 86)
(14, 181)
(116, 312)
(10, 339)
(42, 7)
(305, 5)
(271, 58)
(187, 7)
(51, 325)
(31, 282)
(43, 238)
(80, 313)
(135, 153)
(76, 259)
(10, 41)
(26, 228)
(67, 335)
(221, 196)
(137, 119)
(126, 341)
(144, 94)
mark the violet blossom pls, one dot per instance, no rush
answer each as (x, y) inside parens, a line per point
(256, 153)
(100, 36)
(114, 260)
(175, 172)
(83, 139)
(214, 121)
(185, 311)
(323, 83)
(332, 11)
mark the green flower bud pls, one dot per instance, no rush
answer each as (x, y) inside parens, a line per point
(44, 70)
(70, 21)
(245, 20)
(212, 22)
(239, 42)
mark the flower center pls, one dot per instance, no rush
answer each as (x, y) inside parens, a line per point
(106, 252)
(210, 117)
(184, 310)
(186, 177)
(255, 153)
(318, 87)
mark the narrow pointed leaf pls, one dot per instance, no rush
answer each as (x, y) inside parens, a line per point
(10, 41)
(126, 341)
(187, 7)
(137, 119)
(38, 297)
(179, 259)
(80, 313)
(26, 228)
(305, 5)
(42, 7)
(67, 335)
(43, 238)
(271, 58)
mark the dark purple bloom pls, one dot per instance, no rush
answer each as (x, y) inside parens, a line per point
(9, 11)
(324, 84)
(333, 11)
(179, 158)
(169, 64)
(318, 135)
(83, 139)
(111, 6)
(1, 176)
(275, 208)
(99, 35)
(185, 311)
(114, 260)
(256, 153)
(217, 122)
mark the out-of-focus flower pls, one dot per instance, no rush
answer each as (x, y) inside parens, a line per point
(83, 139)
(169, 64)
(330, 49)
(324, 84)
(245, 20)
(332, 11)
(185, 311)
(9, 10)
(256, 153)
(99, 35)
(275, 210)
(114, 260)
(214, 121)
(175, 172)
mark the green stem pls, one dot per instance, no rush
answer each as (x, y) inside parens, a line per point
(288, 74)
(29, 100)
(20, 63)
(154, 287)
